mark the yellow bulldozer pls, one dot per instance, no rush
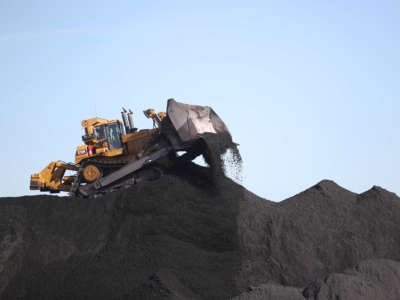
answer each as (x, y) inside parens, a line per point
(115, 154)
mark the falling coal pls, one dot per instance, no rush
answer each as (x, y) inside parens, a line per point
(222, 155)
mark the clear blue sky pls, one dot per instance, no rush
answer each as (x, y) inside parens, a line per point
(309, 89)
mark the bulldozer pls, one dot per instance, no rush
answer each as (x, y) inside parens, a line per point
(115, 154)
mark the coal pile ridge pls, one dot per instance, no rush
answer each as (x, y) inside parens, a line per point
(178, 238)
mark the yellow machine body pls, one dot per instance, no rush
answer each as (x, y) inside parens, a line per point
(115, 154)
(105, 141)
(99, 146)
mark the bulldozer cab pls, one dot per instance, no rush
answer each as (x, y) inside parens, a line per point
(102, 137)
(110, 133)
(103, 133)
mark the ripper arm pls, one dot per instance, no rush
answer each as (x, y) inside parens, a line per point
(52, 178)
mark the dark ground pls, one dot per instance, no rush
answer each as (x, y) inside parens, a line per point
(183, 237)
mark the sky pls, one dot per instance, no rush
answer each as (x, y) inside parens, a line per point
(309, 89)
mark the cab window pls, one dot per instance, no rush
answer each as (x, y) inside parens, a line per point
(114, 136)
(100, 132)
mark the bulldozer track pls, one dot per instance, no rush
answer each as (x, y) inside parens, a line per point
(104, 165)
(100, 163)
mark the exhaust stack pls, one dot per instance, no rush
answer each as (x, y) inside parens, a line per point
(125, 120)
(130, 120)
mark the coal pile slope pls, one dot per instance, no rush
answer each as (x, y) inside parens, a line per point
(322, 230)
(181, 237)
(369, 280)
(169, 239)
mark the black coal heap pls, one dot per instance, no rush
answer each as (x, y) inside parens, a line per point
(180, 238)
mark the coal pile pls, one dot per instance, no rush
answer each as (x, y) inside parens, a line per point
(177, 238)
